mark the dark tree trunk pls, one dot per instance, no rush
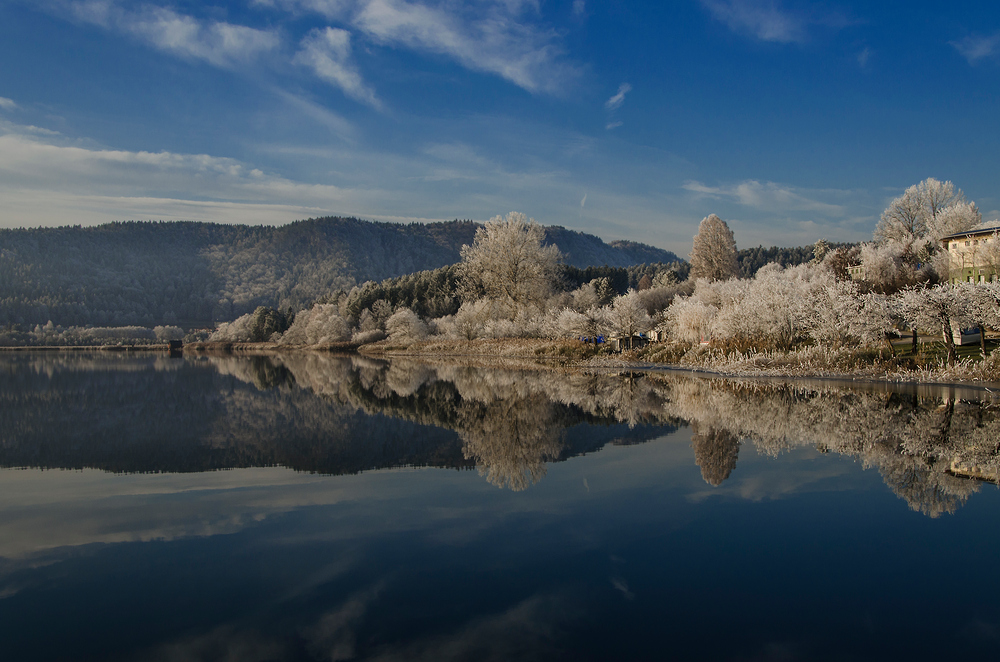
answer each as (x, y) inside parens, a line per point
(949, 341)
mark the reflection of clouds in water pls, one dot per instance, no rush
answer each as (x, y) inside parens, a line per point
(622, 586)
(530, 630)
(334, 636)
(778, 482)
(226, 643)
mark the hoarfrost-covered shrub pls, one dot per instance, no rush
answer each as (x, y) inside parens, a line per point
(164, 333)
(690, 319)
(236, 331)
(588, 324)
(628, 316)
(365, 337)
(471, 318)
(320, 324)
(405, 326)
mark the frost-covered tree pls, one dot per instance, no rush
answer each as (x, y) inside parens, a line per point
(923, 212)
(589, 324)
(470, 320)
(508, 263)
(957, 217)
(164, 333)
(984, 307)
(320, 324)
(912, 226)
(940, 309)
(628, 316)
(713, 255)
(690, 319)
(873, 319)
(833, 305)
(405, 326)
(893, 264)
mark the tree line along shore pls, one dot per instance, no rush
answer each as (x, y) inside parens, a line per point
(905, 305)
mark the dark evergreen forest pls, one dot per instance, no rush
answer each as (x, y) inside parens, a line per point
(752, 259)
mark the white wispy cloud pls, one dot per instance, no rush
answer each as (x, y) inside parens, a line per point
(7, 104)
(500, 37)
(319, 114)
(616, 101)
(975, 47)
(43, 178)
(328, 53)
(218, 43)
(762, 19)
(768, 20)
(864, 56)
(579, 7)
(612, 125)
(769, 197)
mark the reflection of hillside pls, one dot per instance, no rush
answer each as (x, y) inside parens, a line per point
(309, 412)
(510, 421)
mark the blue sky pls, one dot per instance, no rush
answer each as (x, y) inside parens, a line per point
(792, 120)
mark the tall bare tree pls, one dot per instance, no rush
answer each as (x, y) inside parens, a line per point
(714, 253)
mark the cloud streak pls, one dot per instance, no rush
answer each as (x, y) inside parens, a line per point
(976, 47)
(616, 101)
(766, 20)
(763, 20)
(497, 37)
(769, 197)
(221, 44)
(328, 53)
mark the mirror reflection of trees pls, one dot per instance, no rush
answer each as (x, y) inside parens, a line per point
(932, 446)
(715, 451)
(317, 412)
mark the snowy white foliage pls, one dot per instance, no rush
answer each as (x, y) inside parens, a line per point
(781, 307)
(405, 326)
(713, 255)
(690, 319)
(930, 209)
(318, 325)
(164, 333)
(236, 331)
(628, 316)
(591, 323)
(508, 263)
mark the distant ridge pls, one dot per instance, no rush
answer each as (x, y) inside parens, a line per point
(196, 274)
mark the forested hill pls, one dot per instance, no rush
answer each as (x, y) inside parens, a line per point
(195, 274)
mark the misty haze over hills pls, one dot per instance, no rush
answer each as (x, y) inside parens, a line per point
(195, 274)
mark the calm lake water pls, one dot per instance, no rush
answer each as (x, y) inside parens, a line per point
(309, 507)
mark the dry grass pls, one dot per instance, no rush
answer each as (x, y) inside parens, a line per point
(815, 361)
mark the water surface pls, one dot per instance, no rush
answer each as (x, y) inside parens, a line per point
(309, 507)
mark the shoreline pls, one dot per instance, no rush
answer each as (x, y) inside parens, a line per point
(522, 353)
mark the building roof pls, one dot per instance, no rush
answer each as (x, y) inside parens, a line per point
(972, 233)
